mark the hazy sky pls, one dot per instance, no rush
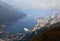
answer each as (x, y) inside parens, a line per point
(34, 6)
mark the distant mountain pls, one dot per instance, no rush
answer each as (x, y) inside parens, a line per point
(8, 14)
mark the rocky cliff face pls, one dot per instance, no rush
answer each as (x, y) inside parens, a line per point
(8, 14)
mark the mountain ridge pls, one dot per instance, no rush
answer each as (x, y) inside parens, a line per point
(8, 14)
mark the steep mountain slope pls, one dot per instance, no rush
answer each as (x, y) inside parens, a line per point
(8, 14)
(51, 33)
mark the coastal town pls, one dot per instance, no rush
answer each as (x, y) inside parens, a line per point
(49, 20)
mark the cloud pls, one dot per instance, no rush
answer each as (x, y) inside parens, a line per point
(34, 4)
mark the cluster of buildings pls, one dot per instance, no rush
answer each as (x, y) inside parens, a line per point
(46, 21)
